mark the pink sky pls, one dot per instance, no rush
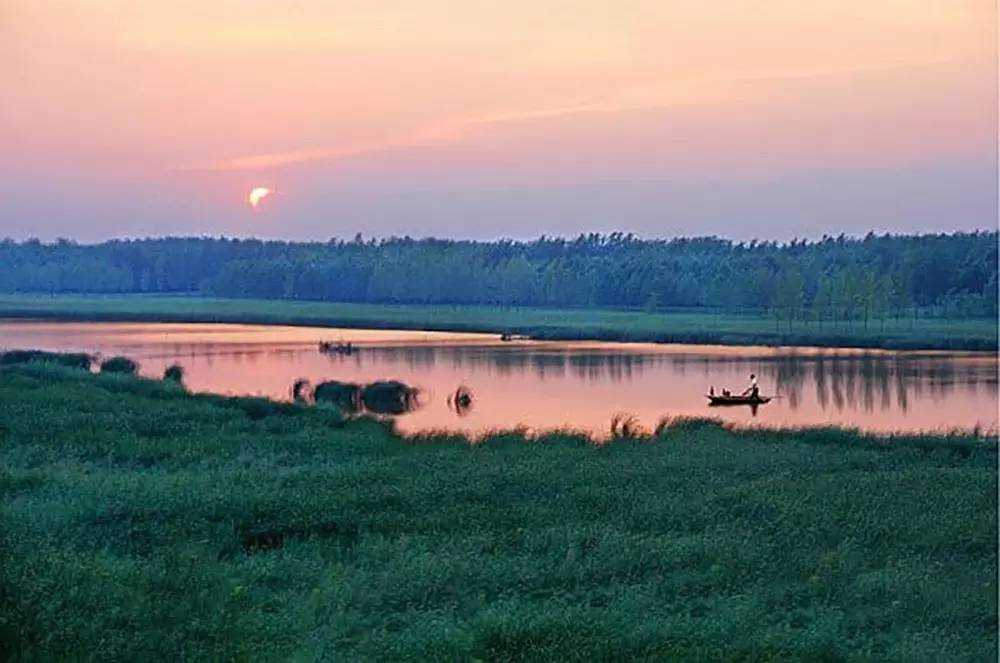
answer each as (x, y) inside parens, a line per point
(481, 119)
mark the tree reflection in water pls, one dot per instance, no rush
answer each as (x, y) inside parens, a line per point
(841, 380)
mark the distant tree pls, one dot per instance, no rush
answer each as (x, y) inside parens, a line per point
(835, 278)
(789, 296)
(825, 299)
(652, 302)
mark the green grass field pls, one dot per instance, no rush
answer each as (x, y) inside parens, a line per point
(561, 324)
(139, 522)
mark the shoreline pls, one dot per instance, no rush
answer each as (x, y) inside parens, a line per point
(647, 431)
(481, 339)
(971, 335)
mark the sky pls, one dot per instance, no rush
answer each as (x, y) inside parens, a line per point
(481, 119)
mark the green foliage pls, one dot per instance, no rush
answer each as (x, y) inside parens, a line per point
(946, 274)
(388, 397)
(68, 359)
(383, 397)
(138, 521)
(539, 323)
(300, 391)
(174, 373)
(344, 395)
(119, 365)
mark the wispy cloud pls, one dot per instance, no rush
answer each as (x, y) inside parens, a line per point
(429, 136)
(643, 99)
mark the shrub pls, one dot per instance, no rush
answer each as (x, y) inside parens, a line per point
(345, 395)
(388, 397)
(300, 391)
(174, 373)
(68, 359)
(119, 365)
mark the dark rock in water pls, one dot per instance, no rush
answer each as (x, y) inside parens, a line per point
(119, 365)
(388, 397)
(345, 395)
(68, 359)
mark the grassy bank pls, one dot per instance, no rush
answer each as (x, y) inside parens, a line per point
(569, 324)
(137, 521)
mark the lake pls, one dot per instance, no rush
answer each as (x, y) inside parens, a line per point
(542, 385)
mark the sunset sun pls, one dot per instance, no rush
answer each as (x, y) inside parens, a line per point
(258, 194)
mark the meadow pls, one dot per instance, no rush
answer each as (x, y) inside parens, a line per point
(141, 522)
(690, 326)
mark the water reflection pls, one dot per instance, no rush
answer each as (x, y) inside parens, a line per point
(547, 384)
(518, 360)
(865, 381)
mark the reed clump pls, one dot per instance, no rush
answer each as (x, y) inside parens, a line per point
(626, 426)
(388, 397)
(381, 397)
(174, 373)
(344, 395)
(685, 423)
(68, 359)
(300, 391)
(119, 365)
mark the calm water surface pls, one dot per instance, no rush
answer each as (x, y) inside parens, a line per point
(556, 384)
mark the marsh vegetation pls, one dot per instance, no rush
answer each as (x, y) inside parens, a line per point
(174, 373)
(119, 365)
(137, 521)
(748, 327)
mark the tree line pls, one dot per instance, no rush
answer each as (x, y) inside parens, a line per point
(831, 279)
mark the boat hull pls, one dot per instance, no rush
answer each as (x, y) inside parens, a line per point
(738, 400)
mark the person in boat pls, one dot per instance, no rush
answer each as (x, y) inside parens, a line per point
(753, 391)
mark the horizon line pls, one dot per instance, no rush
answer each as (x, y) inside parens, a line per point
(381, 239)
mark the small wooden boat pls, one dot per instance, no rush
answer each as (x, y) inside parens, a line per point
(718, 399)
(328, 348)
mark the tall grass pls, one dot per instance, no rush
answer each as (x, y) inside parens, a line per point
(69, 359)
(141, 522)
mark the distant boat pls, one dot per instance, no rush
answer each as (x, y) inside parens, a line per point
(336, 348)
(718, 399)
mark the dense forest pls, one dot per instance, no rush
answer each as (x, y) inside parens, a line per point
(838, 278)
